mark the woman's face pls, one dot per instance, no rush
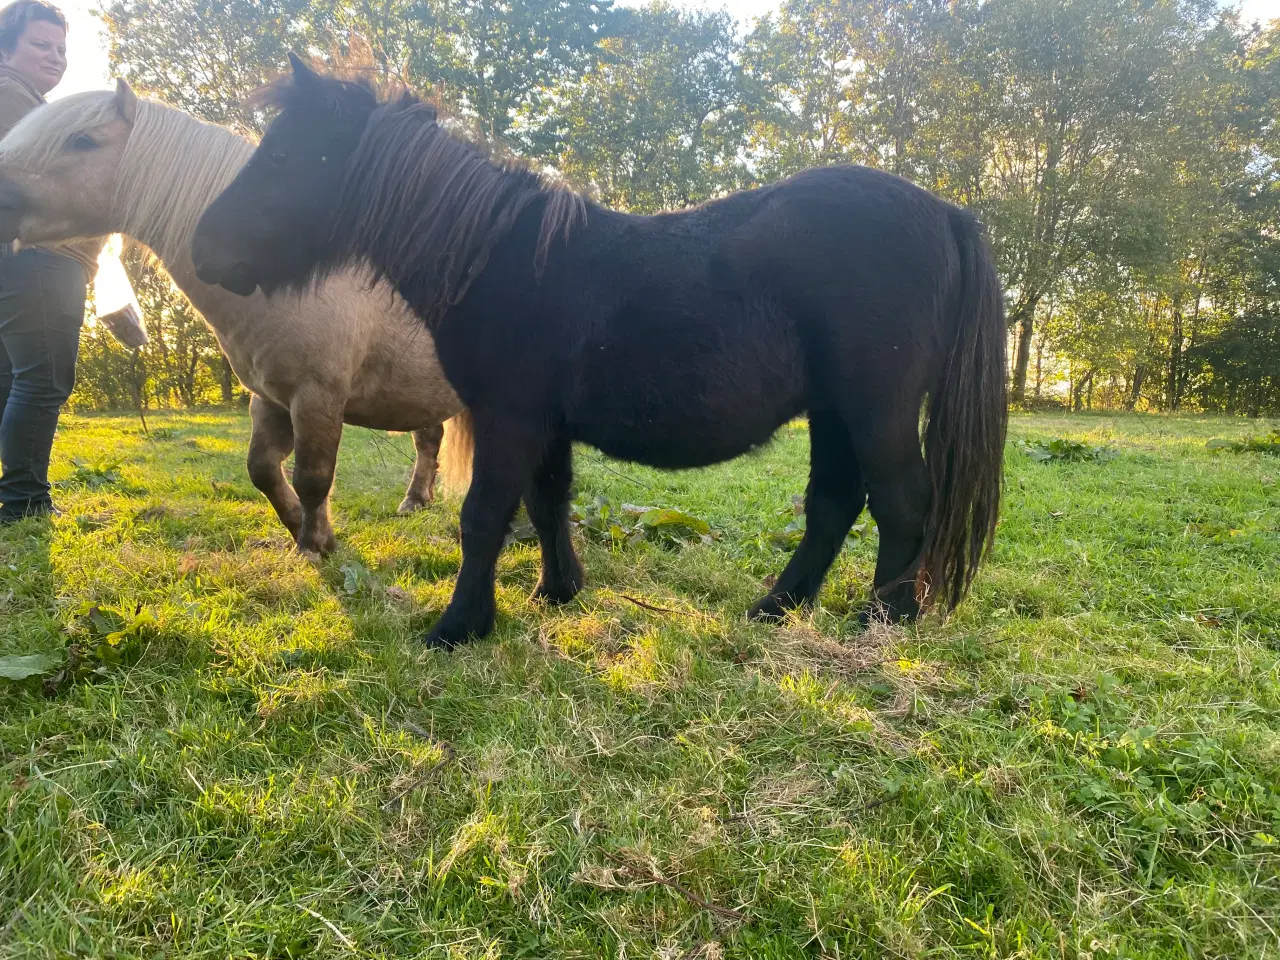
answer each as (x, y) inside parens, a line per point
(40, 55)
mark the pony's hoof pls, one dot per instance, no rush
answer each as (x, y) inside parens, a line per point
(438, 640)
(769, 609)
(445, 637)
(411, 505)
(318, 551)
(880, 615)
(555, 594)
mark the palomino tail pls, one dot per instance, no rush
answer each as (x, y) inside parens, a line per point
(968, 417)
(456, 452)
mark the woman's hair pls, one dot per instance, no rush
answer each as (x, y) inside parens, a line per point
(15, 17)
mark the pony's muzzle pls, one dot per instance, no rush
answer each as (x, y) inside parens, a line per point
(218, 270)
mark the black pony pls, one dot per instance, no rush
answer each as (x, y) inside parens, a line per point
(676, 340)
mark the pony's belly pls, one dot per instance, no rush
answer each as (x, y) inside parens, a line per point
(691, 441)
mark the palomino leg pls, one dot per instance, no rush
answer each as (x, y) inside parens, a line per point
(422, 485)
(547, 501)
(270, 443)
(317, 431)
(900, 493)
(506, 456)
(832, 503)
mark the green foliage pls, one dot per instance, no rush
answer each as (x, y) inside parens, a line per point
(1269, 443)
(789, 537)
(616, 526)
(657, 122)
(94, 476)
(206, 56)
(101, 637)
(1066, 450)
(1161, 788)
(15, 667)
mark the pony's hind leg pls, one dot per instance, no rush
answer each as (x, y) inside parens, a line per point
(833, 500)
(422, 485)
(270, 442)
(507, 455)
(547, 501)
(317, 431)
(899, 493)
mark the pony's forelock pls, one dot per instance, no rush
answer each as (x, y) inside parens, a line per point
(331, 94)
(42, 134)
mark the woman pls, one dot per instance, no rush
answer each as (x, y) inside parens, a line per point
(42, 292)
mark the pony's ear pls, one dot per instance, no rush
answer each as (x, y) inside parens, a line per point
(126, 100)
(303, 76)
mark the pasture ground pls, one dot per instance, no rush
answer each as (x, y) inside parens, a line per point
(253, 757)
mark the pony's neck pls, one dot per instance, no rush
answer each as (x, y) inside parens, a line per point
(173, 167)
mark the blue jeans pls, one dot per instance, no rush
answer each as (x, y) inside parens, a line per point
(42, 299)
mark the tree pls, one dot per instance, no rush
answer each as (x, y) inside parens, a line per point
(205, 56)
(659, 122)
(1080, 94)
(509, 58)
(869, 81)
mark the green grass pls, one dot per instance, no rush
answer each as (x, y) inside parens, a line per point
(1083, 762)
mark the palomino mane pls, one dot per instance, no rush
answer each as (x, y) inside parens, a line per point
(172, 166)
(418, 198)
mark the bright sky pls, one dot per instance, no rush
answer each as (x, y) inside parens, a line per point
(87, 53)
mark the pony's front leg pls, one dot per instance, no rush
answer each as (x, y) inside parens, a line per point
(422, 485)
(270, 442)
(317, 431)
(506, 456)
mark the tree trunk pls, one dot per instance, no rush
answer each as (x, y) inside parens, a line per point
(1135, 387)
(227, 380)
(1039, 366)
(1191, 341)
(1077, 398)
(1025, 320)
(1175, 359)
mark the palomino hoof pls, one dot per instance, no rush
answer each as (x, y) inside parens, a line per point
(411, 505)
(318, 551)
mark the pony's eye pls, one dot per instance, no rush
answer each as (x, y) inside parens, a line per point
(82, 141)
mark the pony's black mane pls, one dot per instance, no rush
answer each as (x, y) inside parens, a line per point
(420, 203)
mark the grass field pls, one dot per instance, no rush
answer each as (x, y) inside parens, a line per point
(251, 755)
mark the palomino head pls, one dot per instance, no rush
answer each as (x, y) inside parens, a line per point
(271, 227)
(58, 167)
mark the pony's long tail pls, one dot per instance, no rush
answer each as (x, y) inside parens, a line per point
(457, 450)
(968, 417)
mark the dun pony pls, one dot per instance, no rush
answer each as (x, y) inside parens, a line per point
(104, 162)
